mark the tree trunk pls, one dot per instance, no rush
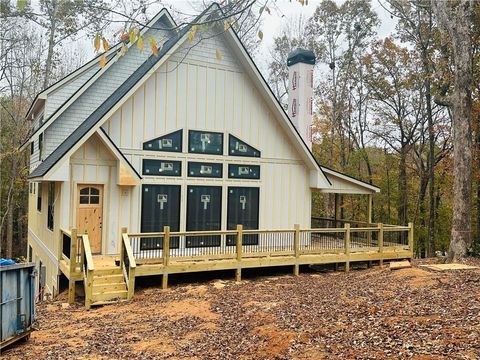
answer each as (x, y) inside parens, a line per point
(402, 187)
(431, 168)
(51, 45)
(477, 237)
(424, 181)
(456, 20)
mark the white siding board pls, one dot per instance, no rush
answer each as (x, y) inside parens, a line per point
(210, 94)
(181, 87)
(200, 122)
(126, 126)
(150, 106)
(191, 93)
(160, 101)
(139, 124)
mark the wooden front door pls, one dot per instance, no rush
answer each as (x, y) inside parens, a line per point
(89, 214)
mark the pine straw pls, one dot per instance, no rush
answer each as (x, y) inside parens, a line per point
(365, 314)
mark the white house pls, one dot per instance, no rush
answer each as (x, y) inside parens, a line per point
(183, 139)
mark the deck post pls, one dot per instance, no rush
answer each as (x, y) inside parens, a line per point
(380, 242)
(73, 251)
(122, 255)
(89, 289)
(71, 291)
(166, 256)
(296, 248)
(238, 271)
(347, 247)
(73, 265)
(410, 238)
(131, 284)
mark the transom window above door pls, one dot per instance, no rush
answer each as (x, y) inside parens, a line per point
(89, 195)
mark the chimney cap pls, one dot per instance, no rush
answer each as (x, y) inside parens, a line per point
(301, 55)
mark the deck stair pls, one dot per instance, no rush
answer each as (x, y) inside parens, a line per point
(108, 284)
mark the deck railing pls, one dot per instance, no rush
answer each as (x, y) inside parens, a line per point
(161, 247)
(70, 249)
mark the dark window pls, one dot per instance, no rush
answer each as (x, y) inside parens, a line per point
(243, 171)
(30, 253)
(160, 207)
(89, 195)
(170, 142)
(204, 213)
(207, 170)
(205, 142)
(237, 147)
(243, 204)
(51, 201)
(39, 197)
(32, 147)
(40, 146)
(162, 167)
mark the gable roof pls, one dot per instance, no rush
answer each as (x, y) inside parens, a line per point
(346, 184)
(146, 67)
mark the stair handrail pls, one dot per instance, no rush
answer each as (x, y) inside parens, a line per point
(88, 252)
(88, 269)
(128, 265)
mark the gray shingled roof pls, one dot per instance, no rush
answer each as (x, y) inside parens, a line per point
(103, 109)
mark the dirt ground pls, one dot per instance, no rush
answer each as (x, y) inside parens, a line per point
(364, 314)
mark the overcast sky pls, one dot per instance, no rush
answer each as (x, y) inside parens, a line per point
(281, 11)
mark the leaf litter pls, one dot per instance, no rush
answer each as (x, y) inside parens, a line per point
(375, 313)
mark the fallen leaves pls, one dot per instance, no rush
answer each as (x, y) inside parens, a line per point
(364, 314)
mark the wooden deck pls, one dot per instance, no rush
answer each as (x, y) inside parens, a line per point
(164, 253)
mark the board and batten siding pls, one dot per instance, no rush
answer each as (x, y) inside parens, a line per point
(199, 92)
